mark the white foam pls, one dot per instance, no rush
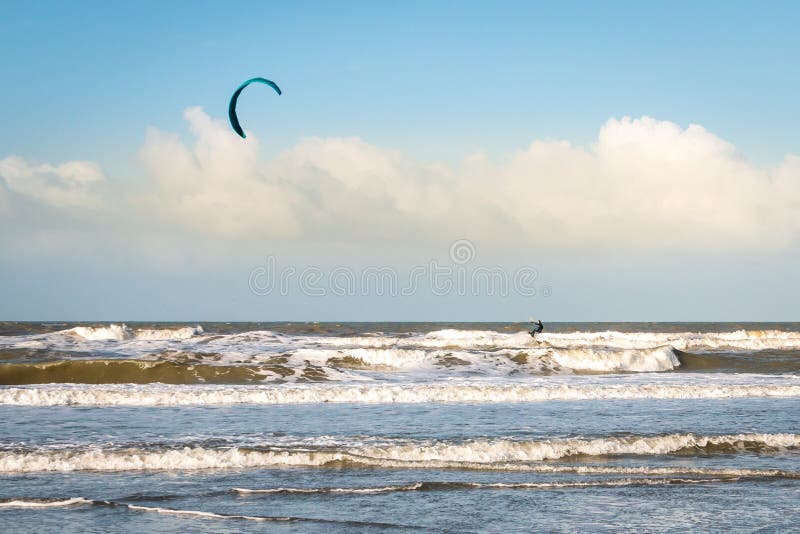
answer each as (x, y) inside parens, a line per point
(640, 361)
(740, 339)
(439, 485)
(199, 513)
(43, 503)
(498, 454)
(395, 358)
(111, 332)
(121, 332)
(545, 389)
(538, 360)
(159, 334)
(467, 339)
(258, 341)
(485, 451)
(483, 339)
(445, 353)
(474, 339)
(380, 489)
(346, 362)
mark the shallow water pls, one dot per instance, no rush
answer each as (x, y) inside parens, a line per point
(381, 427)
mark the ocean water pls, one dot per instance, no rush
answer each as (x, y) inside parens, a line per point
(367, 427)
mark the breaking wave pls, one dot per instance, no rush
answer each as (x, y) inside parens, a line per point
(108, 371)
(484, 339)
(448, 486)
(200, 513)
(318, 365)
(501, 361)
(43, 503)
(118, 353)
(471, 393)
(122, 332)
(498, 454)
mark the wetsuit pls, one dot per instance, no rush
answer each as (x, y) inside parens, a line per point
(539, 328)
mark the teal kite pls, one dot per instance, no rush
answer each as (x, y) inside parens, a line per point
(232, 106)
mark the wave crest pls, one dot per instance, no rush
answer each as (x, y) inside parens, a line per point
(487, 339)
(476, 393)
(121, 332)
(480, 454)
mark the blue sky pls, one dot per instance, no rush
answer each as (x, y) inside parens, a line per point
(436, 82)
(434, 78)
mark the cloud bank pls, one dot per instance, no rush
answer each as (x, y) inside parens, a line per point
(71, 184)
(643, 183)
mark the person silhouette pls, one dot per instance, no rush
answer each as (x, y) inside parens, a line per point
(538, 328)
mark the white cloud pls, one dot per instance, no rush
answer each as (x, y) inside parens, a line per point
(218, 185)
(70, 184)
(643, 184)
(650, 183)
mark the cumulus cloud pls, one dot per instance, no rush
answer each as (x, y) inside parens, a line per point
(71, 184)
(218, 185)
(643, 183)
(651, 183)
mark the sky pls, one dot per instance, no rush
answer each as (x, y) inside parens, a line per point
(453, 161)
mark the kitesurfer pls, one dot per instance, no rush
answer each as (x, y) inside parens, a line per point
(536, 327)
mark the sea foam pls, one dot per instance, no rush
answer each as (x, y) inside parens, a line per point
(121, 332)
(477, 393)
(500, 454)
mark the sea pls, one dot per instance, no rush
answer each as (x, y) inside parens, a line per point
(384, 427)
